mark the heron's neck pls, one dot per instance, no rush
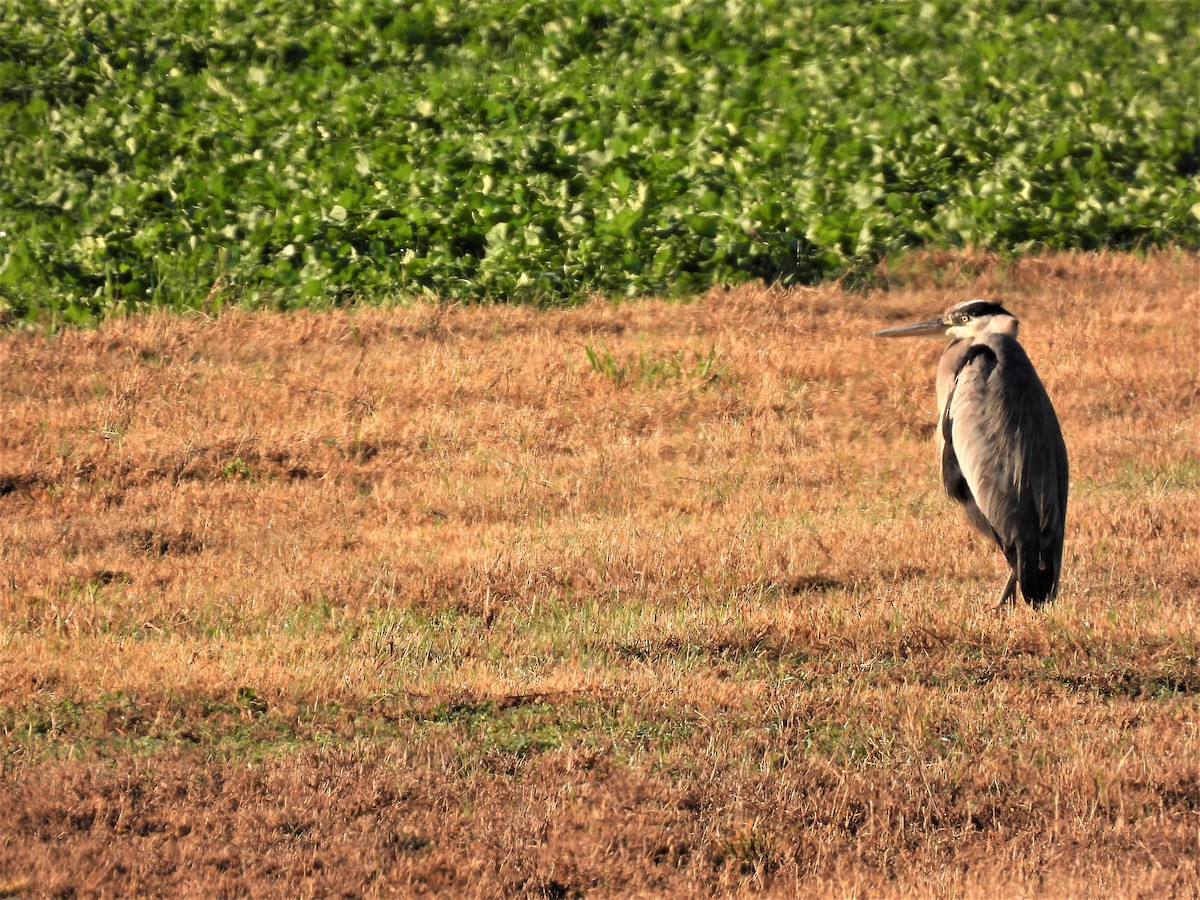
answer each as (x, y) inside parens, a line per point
(1004, 325)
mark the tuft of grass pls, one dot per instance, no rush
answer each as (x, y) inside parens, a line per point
(648, 370)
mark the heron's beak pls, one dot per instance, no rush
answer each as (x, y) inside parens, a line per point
(932, 328)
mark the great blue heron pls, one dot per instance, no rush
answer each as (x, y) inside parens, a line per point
(1003, 456)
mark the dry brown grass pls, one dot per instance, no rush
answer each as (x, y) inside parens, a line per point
(417, 600)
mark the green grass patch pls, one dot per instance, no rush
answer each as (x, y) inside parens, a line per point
(655, 370)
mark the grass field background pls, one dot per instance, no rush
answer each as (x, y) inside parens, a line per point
(199, 154)
(635, 599)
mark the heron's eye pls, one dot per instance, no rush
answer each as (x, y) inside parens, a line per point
(964, 319)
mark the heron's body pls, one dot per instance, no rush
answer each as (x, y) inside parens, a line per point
(1001, 448)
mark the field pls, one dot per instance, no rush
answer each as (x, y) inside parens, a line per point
(209, 153)
(622, 599)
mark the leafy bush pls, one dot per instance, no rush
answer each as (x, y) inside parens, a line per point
(185, 153)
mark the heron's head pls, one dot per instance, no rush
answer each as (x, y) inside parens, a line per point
(968, 319)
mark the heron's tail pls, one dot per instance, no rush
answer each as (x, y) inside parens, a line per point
(1037, 573)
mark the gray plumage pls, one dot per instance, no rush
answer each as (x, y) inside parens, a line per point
(1002, 451)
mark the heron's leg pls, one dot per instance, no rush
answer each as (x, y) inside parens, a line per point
(1009, 595)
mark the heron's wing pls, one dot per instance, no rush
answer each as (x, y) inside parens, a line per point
(1009, 448)
(962, 371)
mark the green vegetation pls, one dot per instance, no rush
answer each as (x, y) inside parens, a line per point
(653, 371)
(211, 151)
